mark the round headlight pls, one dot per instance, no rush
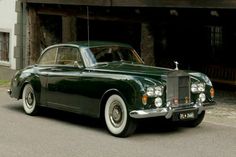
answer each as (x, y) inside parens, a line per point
(201, 87)
(198, 87)
(194, 88)
(202, 97)
(158, 102)
(158, 91)
(150, 91)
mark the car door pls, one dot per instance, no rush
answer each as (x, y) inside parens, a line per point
(63, 80)
(44, 66)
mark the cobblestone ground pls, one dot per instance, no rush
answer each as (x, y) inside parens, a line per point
(225, 111)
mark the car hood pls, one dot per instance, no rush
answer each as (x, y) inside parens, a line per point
(134, 69)
(157, 73)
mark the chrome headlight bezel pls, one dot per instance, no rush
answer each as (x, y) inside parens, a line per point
(158, 102)
(198, 87)
(154, 91)
(202, 97)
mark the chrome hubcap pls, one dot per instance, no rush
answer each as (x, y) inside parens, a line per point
(29, 99)
(115, 114)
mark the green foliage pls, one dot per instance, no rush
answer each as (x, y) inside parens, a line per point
(4, 83)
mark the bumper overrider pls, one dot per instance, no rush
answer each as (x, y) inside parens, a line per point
(167, 112)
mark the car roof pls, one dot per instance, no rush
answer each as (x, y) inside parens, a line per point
(91, 44)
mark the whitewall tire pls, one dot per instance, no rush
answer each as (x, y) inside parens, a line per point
(29, 100)
(117, 118)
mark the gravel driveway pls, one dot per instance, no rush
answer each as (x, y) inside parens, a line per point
(225, 111)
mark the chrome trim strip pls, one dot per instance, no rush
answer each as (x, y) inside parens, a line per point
(168, 111)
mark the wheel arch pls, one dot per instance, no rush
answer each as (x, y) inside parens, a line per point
(105, 97)
(36, 86)
(125, 125)
(130, 90)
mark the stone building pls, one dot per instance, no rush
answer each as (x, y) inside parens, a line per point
(7, 38)
(200, 34)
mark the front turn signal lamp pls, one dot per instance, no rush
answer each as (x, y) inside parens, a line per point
(212, 92)
(145, 99)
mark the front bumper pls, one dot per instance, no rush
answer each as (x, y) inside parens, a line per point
(167, 112)
(9, 92)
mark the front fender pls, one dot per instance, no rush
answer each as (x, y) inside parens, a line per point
(132, 90)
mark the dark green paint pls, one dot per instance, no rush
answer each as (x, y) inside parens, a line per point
(84, 90)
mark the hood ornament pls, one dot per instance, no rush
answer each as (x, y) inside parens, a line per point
(176, 65)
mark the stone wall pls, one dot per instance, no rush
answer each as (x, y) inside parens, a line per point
(6, 73)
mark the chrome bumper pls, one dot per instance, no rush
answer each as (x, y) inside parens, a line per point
(168, 111)
(9, 91)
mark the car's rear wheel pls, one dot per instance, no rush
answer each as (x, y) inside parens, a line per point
(117, 119)
(29, 100)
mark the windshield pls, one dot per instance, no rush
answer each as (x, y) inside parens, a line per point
(113, 54)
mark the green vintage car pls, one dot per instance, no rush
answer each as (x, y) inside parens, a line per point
(110, 80)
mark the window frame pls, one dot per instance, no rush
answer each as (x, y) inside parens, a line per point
(57, 47)
(45, 53)
(7, 61)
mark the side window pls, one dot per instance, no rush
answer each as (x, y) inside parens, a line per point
(68, 56)
(103, 54)
(49, 57)
(4, 46)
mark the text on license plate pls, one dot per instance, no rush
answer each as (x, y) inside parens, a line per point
(187, 115)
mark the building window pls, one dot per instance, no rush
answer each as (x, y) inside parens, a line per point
(4, 46)
(216, 37)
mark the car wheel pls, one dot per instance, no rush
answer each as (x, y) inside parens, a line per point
(118, 122)
(29, 100)
(195, 122)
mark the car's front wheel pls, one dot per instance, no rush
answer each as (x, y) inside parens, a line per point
(29, 100)
(117, 119)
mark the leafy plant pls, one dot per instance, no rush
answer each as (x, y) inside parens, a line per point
(4, 83)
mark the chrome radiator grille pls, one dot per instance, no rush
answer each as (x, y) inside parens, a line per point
(178, 88)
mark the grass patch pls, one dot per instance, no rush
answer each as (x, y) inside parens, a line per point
(4, 83)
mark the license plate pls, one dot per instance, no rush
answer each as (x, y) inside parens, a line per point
(186, 115)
